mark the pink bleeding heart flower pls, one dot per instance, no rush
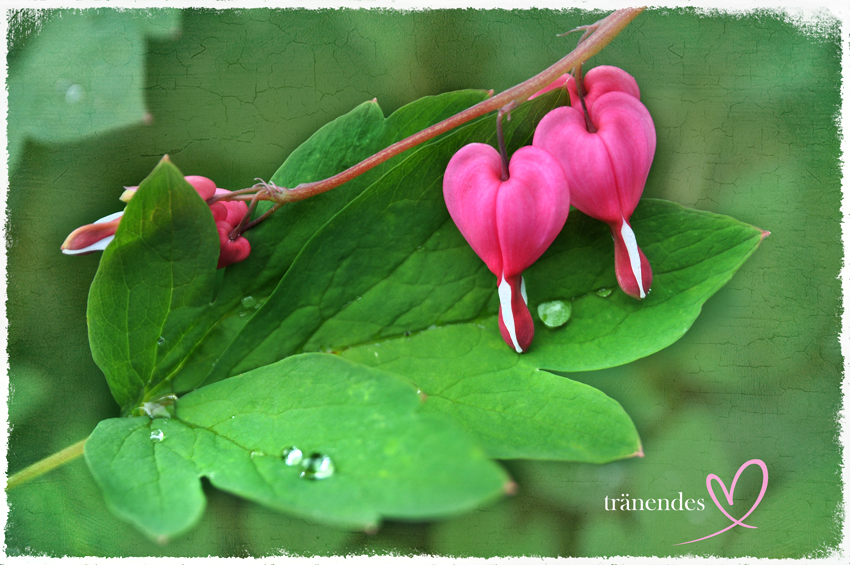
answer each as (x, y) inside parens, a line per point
(95, 237)
(607, 171)
(509, 224)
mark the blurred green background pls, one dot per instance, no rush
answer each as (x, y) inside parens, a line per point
(745, 107)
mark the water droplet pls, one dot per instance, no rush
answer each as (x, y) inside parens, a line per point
(555, 313)
(258, 304)
(161, 340)
(242, 314)
(317, 467)
(257, 454)
(74, 94)
(292, 455)
(604, 292)
(157, 435)
(248, 302)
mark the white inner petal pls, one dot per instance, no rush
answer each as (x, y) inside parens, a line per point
(634, 255)
(522, 291)
(507, 313)
(110, 217)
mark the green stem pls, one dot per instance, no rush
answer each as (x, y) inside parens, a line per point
(605, 30)
(46, 465)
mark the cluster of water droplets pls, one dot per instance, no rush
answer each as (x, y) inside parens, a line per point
(315, 467)
(249, 303)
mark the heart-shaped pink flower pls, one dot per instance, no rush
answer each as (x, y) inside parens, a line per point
(607, 171)
(509, 223)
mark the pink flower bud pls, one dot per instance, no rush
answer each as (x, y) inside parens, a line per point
(607, 171)
(232, 251)
(202, 185)
(92, 237)
(96, 236)
(509, 224)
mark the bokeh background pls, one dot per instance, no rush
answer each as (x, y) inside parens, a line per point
(746, 110)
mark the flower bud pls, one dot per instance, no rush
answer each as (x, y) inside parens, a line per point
(92, 237)
(509, 223)
(96, 236)
(232, 251)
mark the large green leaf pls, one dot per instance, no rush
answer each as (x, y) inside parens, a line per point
(276, 242)
(155, 280)
(391, 261)
(75, 79)
(515, 410)
(390, 459)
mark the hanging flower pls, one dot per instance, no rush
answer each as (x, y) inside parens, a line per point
(606, 171)
(509, 223)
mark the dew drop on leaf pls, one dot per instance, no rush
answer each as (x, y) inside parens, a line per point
(604, 292)
(292, 455)
(317, 467)
(157, 435)
(161, 340)
(242, 314)
(555, 313)
(257, 454)
(249, 301)
(74, 94)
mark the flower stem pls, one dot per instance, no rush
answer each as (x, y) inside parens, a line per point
(580, 89)
(503, 151)
(45, 465)
(600, 34)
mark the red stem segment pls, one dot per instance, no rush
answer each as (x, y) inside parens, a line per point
(606, 30)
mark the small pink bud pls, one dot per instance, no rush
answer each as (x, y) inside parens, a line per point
(92, 237)
(607, 171)
(509, 224)
(202, 185)
(96, 236)
(232, 251)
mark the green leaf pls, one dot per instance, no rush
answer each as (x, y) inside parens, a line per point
(74, 79)
(390, 460)
(692, 254)
(512, 408)
(276, 242)
(154, 281)
(390, 261)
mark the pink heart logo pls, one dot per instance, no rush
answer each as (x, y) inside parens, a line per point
(728, 494)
